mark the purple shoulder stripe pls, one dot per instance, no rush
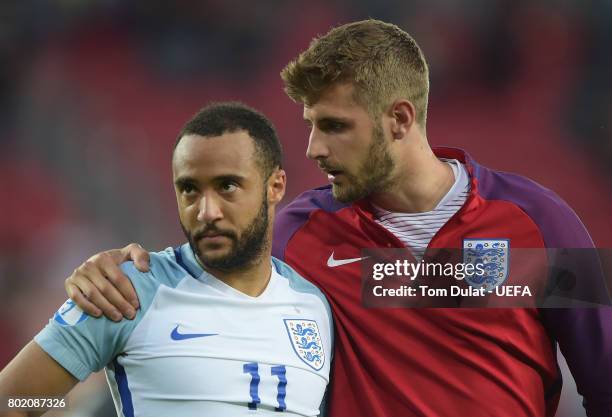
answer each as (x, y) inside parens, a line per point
(295, 214)
(559, 225)
(584, 334)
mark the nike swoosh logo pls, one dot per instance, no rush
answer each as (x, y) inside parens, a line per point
(332, 263)
(175, 335)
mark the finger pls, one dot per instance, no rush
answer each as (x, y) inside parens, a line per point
(132, 252)
(83, 303)
(107, 290)
(136, 253)
(94, 295)
(128, 299)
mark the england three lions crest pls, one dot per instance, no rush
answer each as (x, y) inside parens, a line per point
(493, 257)
(306, 341)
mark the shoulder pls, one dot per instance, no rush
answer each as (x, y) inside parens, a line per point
(294, 215)
(316, 198)
(296, 282)
(558, 223)
(164, 270)
(300, 208)
(499, 185)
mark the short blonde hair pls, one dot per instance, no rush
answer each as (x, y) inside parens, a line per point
(383, 62)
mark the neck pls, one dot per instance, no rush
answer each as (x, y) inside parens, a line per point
(252, 280)
(420, 181)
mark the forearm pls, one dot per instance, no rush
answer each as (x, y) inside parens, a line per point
(32, 373)
(20, 413)
(13, 404)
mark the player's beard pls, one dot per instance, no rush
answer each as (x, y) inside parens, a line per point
(374, 174)
(244, 252)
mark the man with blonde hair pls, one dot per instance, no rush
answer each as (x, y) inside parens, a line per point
(364, 87)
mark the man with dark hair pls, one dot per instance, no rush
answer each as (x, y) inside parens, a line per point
(224, 329)
(364, 87)
(214, 120)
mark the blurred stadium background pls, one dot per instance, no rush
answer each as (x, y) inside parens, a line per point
(92, 94)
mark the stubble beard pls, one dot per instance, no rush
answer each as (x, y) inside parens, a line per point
(244, 252)
(374, 174)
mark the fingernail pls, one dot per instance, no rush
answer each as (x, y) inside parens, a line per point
(116, 316)
(97, 313)
(130, 314)
(134, 303)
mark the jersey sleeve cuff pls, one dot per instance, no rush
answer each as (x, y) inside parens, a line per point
(61, 355)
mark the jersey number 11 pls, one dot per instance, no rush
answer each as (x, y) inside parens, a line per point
(278, 371)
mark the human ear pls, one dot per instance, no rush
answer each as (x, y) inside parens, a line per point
(277, 184)
(403, 117)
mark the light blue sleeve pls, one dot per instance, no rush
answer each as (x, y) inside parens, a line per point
(83, 344)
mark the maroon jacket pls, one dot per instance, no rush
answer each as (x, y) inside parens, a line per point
(402, 362)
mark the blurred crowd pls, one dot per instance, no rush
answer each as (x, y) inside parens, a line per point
(92, 95)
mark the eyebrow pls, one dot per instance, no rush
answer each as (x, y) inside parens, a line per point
(229, 177)
(331, 119)
(182, 181)
(186, 180)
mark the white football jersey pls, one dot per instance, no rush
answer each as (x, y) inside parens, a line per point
(198, 347)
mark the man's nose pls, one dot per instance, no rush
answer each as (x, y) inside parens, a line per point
(317, 148)
(210, 208)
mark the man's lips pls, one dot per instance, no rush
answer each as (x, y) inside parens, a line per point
(332, 174)
(214, 239)
(212, 236)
